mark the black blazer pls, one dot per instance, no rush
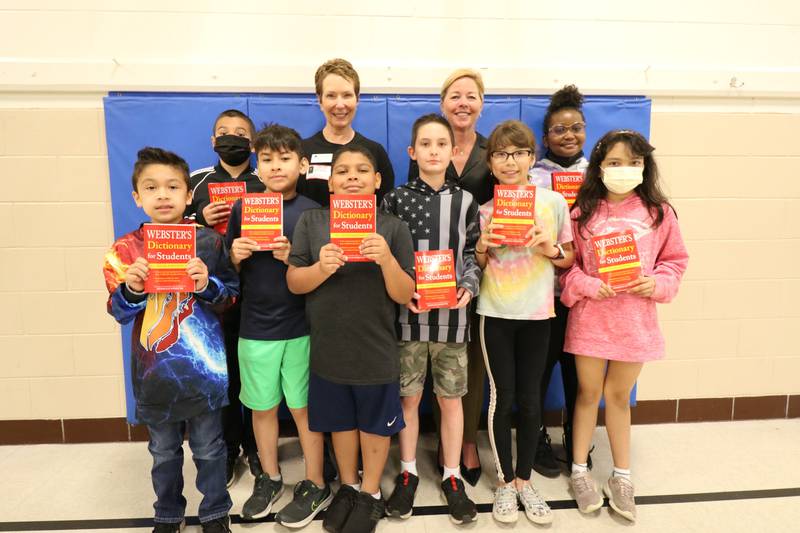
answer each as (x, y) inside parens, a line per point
(476, 177)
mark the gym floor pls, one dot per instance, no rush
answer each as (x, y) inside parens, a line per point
(704, 477)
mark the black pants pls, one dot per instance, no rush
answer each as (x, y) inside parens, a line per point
(237, 420)
(556, 354)
(515, 352)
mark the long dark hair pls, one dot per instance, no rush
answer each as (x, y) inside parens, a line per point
(593, 190)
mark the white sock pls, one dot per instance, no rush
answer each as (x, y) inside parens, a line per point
(410, 467)
(356, 486)
(578, 468)
(377, 495)
(622, 472)
(276, 477)
(451, 472)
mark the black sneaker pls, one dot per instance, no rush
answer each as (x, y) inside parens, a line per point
(172, 527)
(231, 470)
(255, 464)
(401, 503)
(460, 507)
(308, 501)
(265, 493)
(544, 461)
(218, 525)
(329, 471)
(339, 509)
(365, 514)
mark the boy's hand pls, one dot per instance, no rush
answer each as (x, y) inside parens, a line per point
(331, 258)
(136, 274)
(540, 241)
(489, 239)
(198, 271)
(604, 292)
(374, 247)
(463, 296)
(216, 212)
(242, 248)
(281, 248)
(643, 287)
(413, 305)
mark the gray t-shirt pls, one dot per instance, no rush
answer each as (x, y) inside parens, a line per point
(353, 338)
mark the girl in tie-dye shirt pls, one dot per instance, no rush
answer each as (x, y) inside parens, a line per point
(514, 319)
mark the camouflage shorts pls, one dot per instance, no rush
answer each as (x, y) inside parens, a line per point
(448, 365)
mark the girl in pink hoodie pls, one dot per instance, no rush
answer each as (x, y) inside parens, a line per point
(612, 332)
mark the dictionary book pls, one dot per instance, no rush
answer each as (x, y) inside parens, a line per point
(567, 184)
(353, 217)
(617, 259)
(262, 218)
(436, 279)
(228, 193)
(513, 208)
(167, 249)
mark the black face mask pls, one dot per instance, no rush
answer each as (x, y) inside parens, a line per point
(232, 149)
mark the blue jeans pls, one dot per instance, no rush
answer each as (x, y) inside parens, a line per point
(209, 455)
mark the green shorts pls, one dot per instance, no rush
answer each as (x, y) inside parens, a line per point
(270, 370)
(448, 365)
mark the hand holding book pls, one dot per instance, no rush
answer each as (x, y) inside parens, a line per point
(281, 249)
(198, 271)
(242, 248)
(374, 248)
(644, 287)
(136, 274)
(331, 258)
(216, 213)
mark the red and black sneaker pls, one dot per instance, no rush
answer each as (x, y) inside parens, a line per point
(462, 510)
(401, 502)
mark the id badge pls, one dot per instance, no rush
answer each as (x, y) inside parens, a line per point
(319, 172)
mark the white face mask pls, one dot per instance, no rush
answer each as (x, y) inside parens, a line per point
(622, 180)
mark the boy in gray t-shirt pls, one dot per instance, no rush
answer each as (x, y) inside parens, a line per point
(354, 388)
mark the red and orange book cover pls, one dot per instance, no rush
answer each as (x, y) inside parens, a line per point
(618, 260)
(436, 279)
(514, 209)
(262, 217)
(228, 193)
(167, 249)
(567, 184)
(353, 217)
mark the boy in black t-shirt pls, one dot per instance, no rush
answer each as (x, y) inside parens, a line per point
(231, 139)
(274, 337)
(354, 388)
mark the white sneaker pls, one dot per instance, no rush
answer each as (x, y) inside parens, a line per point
(505, 508)
(536, 508)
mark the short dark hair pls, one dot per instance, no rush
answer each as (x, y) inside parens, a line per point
(568, 97)
(355, 149)
(158, 156)
(510, 133)
(234, 113)
(278, 138)
(431, 118)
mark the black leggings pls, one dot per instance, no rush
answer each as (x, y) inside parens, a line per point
(556, 354)
(515, 352)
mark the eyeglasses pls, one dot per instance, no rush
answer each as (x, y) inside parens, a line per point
(500, 156)
(576, 128)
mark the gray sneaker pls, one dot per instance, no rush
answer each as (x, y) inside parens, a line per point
(585, 491)
(505, 508)
(536, 508)
(620, 496)
(308, 501)
(265, 493)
